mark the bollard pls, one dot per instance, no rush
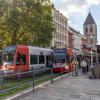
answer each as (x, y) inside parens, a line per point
(73, 70)
(76, 70)
(51, 76)
(33, 80)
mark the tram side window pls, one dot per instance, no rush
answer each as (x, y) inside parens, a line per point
(33, 59)
(18, 59)
(21, 59)
(47, 60)
(24, 59)
(41, 59)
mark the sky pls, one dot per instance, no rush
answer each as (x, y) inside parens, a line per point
(77, 10)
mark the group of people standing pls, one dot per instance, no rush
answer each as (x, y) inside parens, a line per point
(84, 64)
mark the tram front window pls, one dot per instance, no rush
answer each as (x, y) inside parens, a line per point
(59, 58)
(8, 59)
(7, 56)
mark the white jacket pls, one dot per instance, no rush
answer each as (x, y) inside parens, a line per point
(83, 63)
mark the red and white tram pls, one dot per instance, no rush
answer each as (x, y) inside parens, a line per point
(21, 58)
(62, 60)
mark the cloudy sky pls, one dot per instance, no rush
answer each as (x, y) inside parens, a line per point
(77, 10)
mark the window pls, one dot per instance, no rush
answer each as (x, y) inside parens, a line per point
(91, 29)
(41, 59)
(59, 58)
(47, 60)
(33, 59)
(86, 30)
(21, 59)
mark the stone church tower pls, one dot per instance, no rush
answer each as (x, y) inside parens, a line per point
(90, 27)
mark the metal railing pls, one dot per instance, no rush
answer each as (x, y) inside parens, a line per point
(26, 78)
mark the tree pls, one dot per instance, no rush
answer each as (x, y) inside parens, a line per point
(43, 25)
(4, 35)
(27, 22)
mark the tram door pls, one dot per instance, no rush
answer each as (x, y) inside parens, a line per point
(49, 61)
(22, 60)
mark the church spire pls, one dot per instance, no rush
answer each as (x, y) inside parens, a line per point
(89, 20)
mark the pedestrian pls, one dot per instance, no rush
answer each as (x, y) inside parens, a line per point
(75, 67)
(83, 66)
(88, 64)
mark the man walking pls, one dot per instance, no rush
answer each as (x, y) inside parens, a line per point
(88, 64)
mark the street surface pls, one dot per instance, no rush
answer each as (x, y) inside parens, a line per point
(68, 88)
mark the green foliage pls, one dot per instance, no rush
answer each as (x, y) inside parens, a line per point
(43, 26)
(4, 35)
(25, 22)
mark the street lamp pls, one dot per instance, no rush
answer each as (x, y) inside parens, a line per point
(91, 37)
(96, 53)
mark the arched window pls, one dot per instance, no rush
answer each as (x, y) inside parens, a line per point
(91, 29)
(86, 30)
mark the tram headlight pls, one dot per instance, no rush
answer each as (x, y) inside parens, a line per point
(66, 67)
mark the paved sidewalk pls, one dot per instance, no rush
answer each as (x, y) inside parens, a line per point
(68, 88)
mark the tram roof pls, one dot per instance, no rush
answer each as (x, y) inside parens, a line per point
(39, 48)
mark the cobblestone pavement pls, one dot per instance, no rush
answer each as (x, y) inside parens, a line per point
(68, 88)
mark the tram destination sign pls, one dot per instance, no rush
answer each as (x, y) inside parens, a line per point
(60, 50)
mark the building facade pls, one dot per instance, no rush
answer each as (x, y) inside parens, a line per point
(70, 37)
(61, 29)
(76, 41)
(84, 48)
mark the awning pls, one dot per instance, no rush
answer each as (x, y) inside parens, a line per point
(77, 52)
